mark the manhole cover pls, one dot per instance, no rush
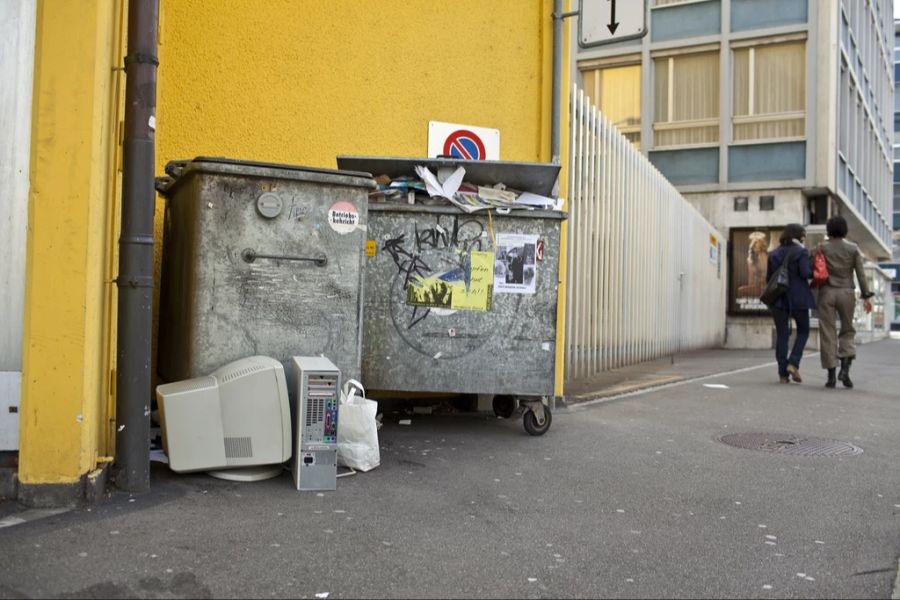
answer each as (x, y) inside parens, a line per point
(790, 443)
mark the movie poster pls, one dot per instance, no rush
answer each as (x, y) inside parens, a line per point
(749, 259)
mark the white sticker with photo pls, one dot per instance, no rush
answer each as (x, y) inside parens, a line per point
(515, 268)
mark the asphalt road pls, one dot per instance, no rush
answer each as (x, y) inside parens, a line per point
(634, 497)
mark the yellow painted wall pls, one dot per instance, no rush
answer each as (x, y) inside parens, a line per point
(301, 81)
(70, 232)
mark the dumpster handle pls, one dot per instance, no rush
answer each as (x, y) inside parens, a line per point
(250, 255)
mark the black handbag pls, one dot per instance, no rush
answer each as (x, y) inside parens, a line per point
(778, 283)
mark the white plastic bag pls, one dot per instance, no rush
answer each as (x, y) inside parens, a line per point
(357, 435)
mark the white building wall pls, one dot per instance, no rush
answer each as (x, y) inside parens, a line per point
(718, 208)
(17, 28)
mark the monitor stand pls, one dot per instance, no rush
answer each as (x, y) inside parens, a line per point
(258, 473)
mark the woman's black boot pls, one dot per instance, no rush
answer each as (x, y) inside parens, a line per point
(832, 381)
(844, 374)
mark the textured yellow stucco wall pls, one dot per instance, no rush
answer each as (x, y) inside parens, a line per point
(301, 81)
(69, 241)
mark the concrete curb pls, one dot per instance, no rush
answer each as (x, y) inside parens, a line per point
(601, 396)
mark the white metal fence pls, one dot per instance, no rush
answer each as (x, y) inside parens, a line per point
(646, 272)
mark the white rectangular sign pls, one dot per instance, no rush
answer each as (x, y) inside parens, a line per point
(609, 21)
(463, 141)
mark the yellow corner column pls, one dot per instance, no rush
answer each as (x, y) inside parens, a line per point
(68, 249)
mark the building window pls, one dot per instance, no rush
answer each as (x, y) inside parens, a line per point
(767, 203)
(770, 92)
(686, 100)
(616, 91)
(741, 203)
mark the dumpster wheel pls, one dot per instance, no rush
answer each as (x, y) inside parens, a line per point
(532, 424)
(504, 406)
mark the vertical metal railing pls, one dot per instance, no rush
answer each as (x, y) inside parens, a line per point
(646, 274)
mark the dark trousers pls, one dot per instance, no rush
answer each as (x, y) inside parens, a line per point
(783, 334)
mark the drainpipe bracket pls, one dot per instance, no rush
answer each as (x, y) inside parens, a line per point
(141, 58)
(134, 282)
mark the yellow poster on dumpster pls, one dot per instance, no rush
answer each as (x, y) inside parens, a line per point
(478, 293)
(469, 288)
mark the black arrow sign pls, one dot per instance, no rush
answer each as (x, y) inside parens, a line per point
(613, 24)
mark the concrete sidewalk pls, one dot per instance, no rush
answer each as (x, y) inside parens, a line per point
(686, 366)
(634, 496)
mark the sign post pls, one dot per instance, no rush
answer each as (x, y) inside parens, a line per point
(608, 21)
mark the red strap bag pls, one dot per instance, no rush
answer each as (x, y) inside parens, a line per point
(820, 268)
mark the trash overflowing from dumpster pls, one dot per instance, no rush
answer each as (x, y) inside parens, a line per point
(451, 186)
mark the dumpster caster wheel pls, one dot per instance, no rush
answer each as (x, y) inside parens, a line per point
(504, 406)
(530, 421)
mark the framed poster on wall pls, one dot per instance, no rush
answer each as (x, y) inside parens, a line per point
(748, 259)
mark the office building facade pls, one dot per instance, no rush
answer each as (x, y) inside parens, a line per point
(762, 113)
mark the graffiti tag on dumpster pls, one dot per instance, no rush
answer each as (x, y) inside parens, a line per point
(465, 279)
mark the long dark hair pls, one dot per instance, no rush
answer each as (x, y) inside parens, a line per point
(792, 231)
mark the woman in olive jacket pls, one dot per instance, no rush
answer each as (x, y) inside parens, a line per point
(837, 297)
(795, 303)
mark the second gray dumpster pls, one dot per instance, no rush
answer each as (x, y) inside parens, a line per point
(260, 258)
(418, 336)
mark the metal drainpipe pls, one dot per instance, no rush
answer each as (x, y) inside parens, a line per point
(135, 281)
(556, 80)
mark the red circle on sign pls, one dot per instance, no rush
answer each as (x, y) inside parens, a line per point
(457, 140)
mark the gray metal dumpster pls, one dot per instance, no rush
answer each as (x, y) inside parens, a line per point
(260, 258)
(418, 336)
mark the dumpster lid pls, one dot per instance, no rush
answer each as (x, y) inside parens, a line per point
(270, 165)
(176, 168)
(537, 178)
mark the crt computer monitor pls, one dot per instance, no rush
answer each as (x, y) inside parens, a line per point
(230, 422)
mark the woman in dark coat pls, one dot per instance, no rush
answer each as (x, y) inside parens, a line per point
(795, 303)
